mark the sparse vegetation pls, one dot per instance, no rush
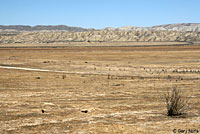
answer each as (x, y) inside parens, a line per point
(120, 101)
(176, 104)
(64, 76)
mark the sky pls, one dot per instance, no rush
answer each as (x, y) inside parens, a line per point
(99, 13)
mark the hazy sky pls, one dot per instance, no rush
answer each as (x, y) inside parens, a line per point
(98, 13)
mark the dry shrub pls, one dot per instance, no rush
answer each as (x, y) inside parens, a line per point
(176, 104)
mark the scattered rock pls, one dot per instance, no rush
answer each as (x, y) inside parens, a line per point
(46, 61)
(117, 85)
(84, 111)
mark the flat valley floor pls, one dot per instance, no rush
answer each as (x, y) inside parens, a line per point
(94, 90)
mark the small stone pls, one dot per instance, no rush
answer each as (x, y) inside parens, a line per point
(84, 111)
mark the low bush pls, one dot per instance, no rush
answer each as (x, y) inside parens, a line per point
(176, 104)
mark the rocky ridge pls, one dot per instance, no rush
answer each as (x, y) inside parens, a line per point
(98, 36)
(184, 27)
(183, 32)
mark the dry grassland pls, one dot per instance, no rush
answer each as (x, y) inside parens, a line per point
(93, 90)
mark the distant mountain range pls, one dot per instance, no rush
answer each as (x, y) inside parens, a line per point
(42, 28)
(192, 27)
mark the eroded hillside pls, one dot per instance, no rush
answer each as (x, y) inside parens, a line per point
(97, 36)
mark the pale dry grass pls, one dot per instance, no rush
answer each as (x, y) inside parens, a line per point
(127, 102)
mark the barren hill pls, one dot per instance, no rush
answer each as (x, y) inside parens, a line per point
(183, 32)
(98, 36)
(184, 27)
(195, 27)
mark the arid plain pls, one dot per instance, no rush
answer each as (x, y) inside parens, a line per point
(92, 90)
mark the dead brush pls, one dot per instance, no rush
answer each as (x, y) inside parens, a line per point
(176, 104)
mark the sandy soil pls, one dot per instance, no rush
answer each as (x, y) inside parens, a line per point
(88, 90)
